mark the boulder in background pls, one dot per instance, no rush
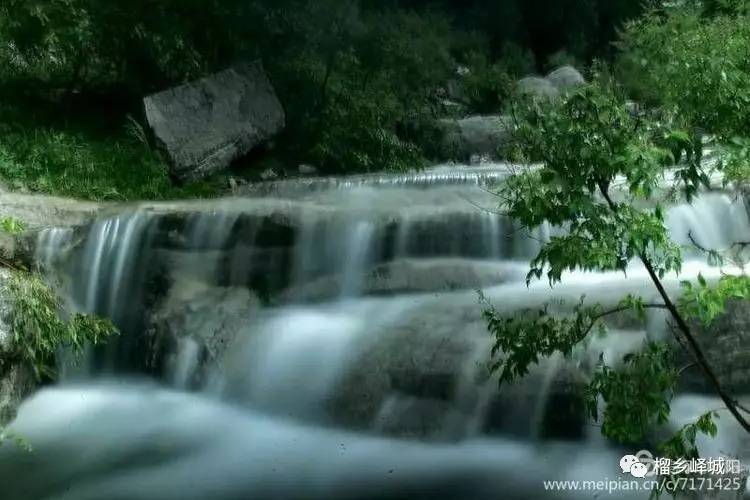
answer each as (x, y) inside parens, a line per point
(561, 80)
(538, 88)
(566, 78)
(489, 135)
(204, 125)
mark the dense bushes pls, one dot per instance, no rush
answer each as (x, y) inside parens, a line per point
(691, 61)
(694, 61)
(360, 80)
(38, 329)
(350, 79)
(361, 88)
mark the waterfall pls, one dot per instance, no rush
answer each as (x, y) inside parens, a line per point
(339, 318)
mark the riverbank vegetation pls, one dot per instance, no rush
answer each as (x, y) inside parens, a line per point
(689, 64)
(36, 328)
(363, 83)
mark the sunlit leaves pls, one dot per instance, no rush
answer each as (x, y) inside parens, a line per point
(735, 161)
(38, 329)
(704, 302)
(11, 225)
(525, 337)
(600, 171)
(637, 396)
(682, 445)
(696, 64)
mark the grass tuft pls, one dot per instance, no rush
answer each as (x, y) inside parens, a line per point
(77, 160)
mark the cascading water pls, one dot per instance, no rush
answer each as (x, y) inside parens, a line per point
(323, 339)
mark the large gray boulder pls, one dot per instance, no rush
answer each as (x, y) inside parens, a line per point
(566, 78)
(549, 88)
(490, 136)
(537, 88)
(204, 125)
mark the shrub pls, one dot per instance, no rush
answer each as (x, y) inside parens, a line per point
(695, 64)
(487, 85)
(38, 329)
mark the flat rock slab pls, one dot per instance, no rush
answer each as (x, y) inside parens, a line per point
(204, 125)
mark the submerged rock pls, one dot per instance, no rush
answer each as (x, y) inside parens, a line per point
(204, 125)
(193, 327)
(423, 376)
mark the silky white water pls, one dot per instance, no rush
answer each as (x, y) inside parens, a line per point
(364, 375)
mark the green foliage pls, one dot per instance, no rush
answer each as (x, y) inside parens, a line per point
(356, 135)
(11, 225)
(682, 444)
(487, 85)
(74, 161)
(735, 161)
(374, 76)
(525, 337)
(637, 396)
(587, 143)
(705, 302)
(725, 7)
(38, 329)
(352, 80)
(698, 65)
(583, 28)
(19, 441)
(79, 44)
(358, 79)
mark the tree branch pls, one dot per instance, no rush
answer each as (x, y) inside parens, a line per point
(682, 325)
(10, 265)
(616, 310)
(741, 244)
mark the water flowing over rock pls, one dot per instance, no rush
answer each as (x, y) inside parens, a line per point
(204, 125)
(194, 326)
(194, 448)
(332, 321)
